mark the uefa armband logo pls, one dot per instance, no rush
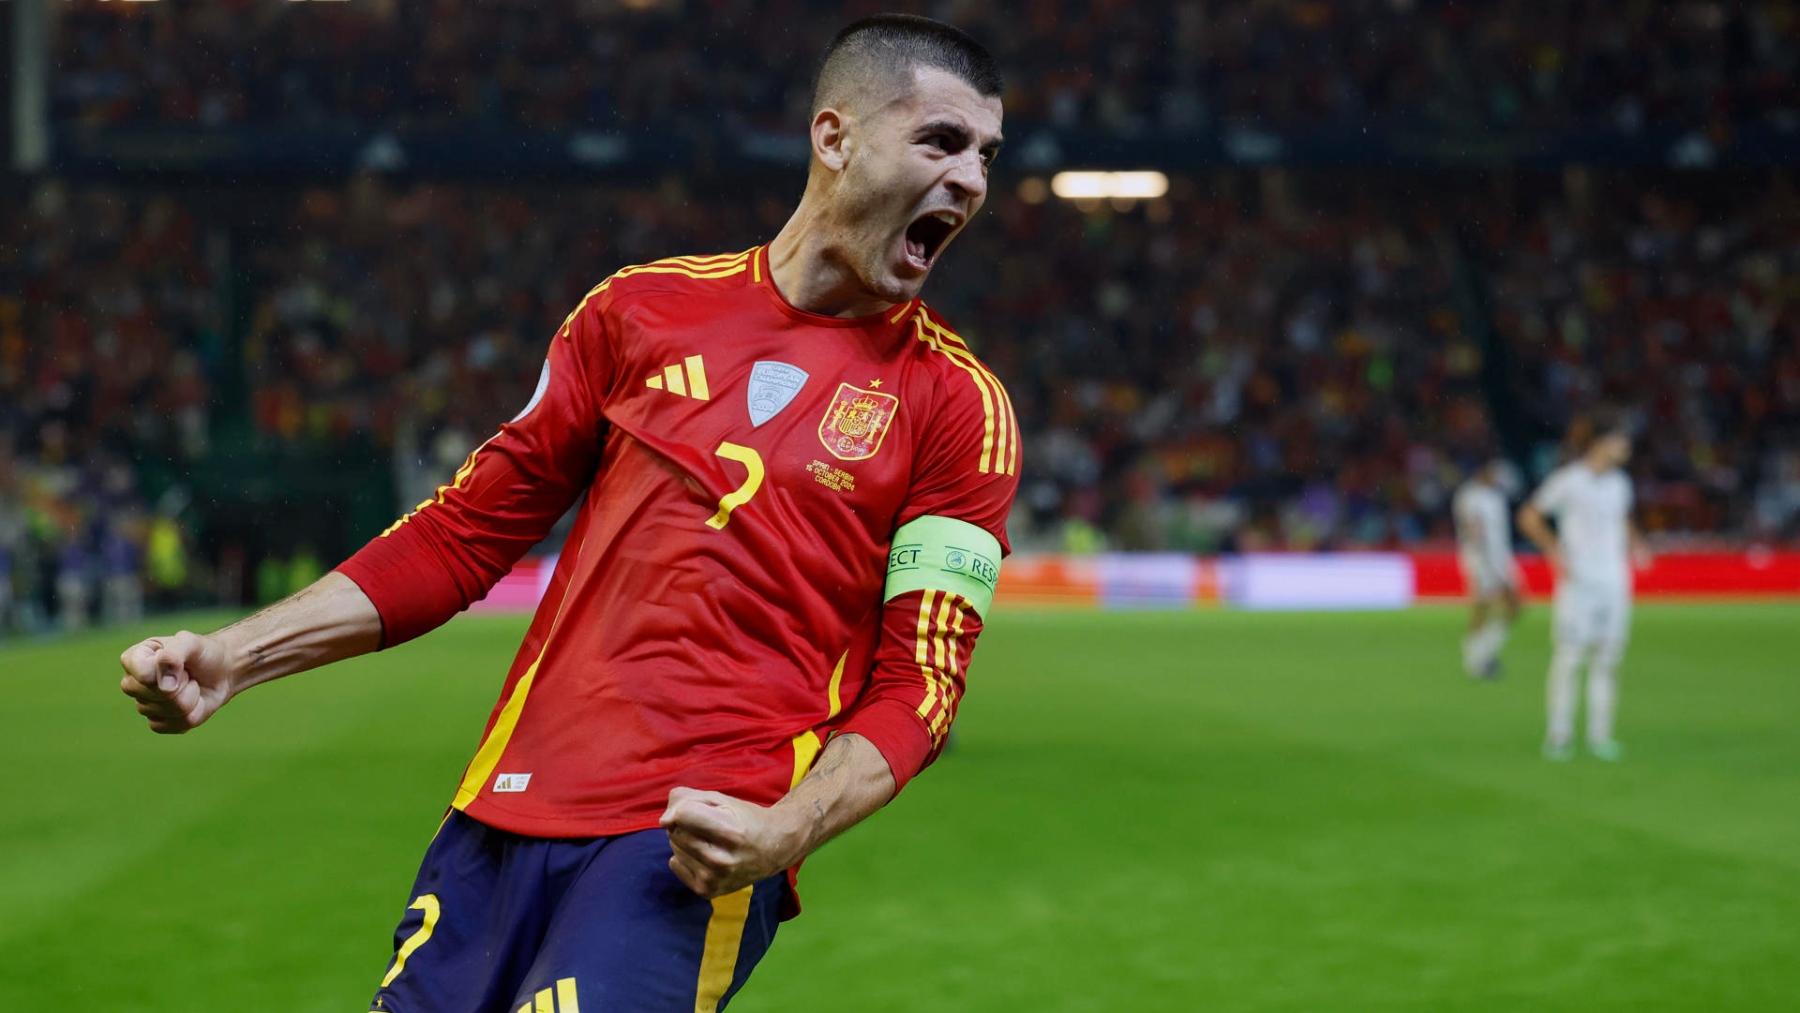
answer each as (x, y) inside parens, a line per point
(954, 560)
(973, 564)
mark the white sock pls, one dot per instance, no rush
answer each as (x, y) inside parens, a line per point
(1560, 693)
(1496, 630)
(1602, 694)
(1481, 646)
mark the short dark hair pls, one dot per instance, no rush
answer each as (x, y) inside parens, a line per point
(890, 44)
(1600, 420)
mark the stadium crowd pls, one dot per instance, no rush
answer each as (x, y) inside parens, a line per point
(1688, 309)
(107, 312)
(1125, 68)
(1232, 367)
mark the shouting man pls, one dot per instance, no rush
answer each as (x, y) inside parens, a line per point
(794, 481)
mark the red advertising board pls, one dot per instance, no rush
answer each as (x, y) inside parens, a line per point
(1751, 573)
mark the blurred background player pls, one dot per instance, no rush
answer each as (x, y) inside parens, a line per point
(1591, 551)
(1484, 546)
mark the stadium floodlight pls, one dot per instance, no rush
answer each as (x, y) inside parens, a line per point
(1146, 184)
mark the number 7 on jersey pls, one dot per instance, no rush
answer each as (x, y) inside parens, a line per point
(753, 462)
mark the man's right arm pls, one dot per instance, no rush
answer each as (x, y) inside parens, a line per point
(428, 566)
(180, 681)
(453, 547)
(1534, 525)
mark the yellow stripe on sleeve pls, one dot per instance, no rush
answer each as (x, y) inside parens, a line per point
(701, 273)
(592, 292)
(1005, 453)
(924, 655)
(943, 632)
(1008, 453)
(455, 483)
(987, 402)
(956, 625)
(694, 267)
(999, 447)
(703, 268)
(946, 638)
(712, 259)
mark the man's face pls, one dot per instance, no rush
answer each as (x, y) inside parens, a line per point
(917, 173)
(1613, 449)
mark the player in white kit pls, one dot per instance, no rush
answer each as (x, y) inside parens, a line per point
(1484, 545)
(1592, 552)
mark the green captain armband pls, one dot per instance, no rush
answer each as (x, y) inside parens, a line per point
(940, 554)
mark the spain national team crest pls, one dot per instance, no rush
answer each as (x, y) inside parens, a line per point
(857, 421)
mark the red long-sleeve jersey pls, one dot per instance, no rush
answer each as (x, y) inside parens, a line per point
(717, 611)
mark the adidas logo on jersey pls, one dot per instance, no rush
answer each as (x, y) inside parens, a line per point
(687, 379)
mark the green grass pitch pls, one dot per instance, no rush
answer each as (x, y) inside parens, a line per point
(1204, 810)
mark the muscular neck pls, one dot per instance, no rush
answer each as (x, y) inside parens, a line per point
(809, 270)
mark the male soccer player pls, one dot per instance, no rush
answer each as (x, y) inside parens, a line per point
(1484, 545)
(796, 481)
(1592, 552)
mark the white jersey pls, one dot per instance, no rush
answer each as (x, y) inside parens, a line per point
(1592, 512)
(1482, 531)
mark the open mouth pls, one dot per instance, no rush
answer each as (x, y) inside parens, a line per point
(927, 235)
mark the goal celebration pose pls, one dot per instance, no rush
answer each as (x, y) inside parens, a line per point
(796, 482)
(1592, 552)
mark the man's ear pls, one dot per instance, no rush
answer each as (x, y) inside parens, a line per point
(831, 138)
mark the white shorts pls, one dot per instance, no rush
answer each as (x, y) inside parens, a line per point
(1592, 617)
(1486, 577)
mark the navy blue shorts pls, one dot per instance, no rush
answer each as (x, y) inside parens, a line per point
(502, 923)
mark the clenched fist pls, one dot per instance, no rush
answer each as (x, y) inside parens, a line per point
(178, 682)
(723, 844)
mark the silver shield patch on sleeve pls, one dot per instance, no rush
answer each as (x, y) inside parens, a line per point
(773, 386)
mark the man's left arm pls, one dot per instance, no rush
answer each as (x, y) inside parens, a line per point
(723, 844)
(942, 569)
(1641, 555)
(897, 726)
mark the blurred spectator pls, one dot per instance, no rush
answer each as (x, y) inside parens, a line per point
(106, 311)
(1120, 67)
